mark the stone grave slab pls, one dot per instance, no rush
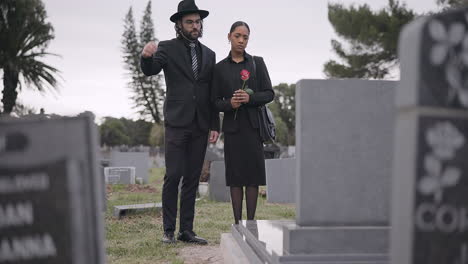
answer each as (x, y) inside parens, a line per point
(281, 180)
(217, 190)
(122, 210)
(139, 160)
(51, 191)
(119, 175)
(343, 175)
(430, 175)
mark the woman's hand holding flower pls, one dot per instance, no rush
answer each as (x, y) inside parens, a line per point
(242, 96)
(235, 103)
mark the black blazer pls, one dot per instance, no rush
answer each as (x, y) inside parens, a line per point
(185, 96)
(259, 82)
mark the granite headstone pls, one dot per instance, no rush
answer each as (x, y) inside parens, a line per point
(344, 150)
(217, 190)
(139, 160)
(281, 180)
(120, 175)
(430, 181)
(50, 191)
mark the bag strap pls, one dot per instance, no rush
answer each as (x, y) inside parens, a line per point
(254, 65)
(256, 78)
(255, 70)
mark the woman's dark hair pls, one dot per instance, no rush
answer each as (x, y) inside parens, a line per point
(238, 24)
(178, 28)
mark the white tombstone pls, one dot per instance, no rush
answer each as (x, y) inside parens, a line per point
(120, 175)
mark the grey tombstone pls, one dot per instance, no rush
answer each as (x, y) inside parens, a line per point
(102, 165)
(50, 191)
(139, 160)
(281, 180)
(119, 175)
(429, 204)
(344, 143)
(279, 175)
(344, 132)
(217, 190)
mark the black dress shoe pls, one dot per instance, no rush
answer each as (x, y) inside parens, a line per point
(168, 238)
(191, 237)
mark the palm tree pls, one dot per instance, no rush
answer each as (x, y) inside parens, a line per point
(24, 37)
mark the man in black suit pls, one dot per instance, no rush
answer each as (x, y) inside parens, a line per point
(188, 114)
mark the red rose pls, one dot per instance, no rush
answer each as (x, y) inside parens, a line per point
(245, 74)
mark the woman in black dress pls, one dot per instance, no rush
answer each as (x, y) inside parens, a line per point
(239, 95)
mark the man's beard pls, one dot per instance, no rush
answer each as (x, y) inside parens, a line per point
(189, 36)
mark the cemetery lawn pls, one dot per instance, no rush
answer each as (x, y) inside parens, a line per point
(136, 237)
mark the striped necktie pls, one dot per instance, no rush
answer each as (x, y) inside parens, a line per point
(193, 53)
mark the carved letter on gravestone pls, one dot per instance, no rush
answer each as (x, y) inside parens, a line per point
(16, 214)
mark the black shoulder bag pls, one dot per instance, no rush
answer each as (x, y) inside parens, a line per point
(265, 118)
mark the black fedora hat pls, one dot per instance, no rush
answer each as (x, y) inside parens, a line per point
(188, 7)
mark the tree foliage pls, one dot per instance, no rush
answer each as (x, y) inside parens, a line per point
(371, 39)
(452, 3)
(112, 133)
(283, 108)
(24, 37)
(115, 132)
(21, 109)
(147, 92)
(157, 135)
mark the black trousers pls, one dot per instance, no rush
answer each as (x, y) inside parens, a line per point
(185, 153)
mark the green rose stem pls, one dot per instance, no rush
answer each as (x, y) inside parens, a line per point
(245, 75)
(243, 85)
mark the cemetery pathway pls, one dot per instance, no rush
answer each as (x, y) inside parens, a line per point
(202, 255)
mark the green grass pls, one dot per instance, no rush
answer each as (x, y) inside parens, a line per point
(136, 238)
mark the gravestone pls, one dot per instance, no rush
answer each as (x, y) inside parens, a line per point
(281, 180)
(343, 159)
(280, 177)
(119, 175)
(139, 160)
(429, 204)
(50, 191)
(102, 164)
(344, 150)
(217, 190)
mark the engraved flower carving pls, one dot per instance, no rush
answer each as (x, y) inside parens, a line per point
(445, 139)
(436, 179)
(450, 50)
(444, 39)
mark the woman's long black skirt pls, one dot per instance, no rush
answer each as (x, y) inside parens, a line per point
(243, 155)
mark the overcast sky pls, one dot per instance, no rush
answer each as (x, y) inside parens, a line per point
(293, 37)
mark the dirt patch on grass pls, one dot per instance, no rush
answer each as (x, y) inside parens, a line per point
(108, 191)
(202, 255)
(140, 188)
(133, 188)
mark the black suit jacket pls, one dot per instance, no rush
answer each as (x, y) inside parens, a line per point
(185, 96)
(223, 87)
